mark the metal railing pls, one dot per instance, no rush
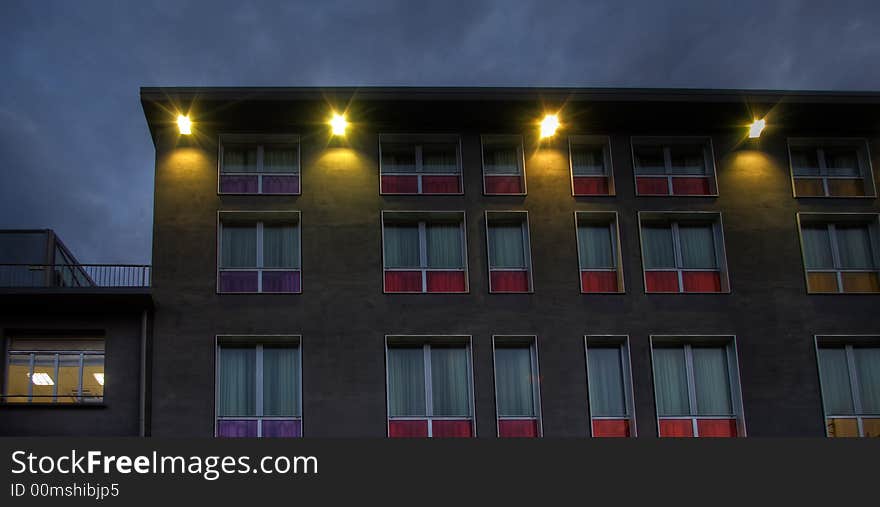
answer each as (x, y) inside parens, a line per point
(75, 275)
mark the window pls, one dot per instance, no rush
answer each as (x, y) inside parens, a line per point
(696, 387)
(510, 262)
(849, 370)
(420, 164)
(259, 164)
(683, 252)
(674, 166)
(258, 387)
(591, 172)
(840, 252)
(429, 387)
(599, 256)
(424, 251)
(610, 386)
(259, 252)
(503, 165)
(517, 389)
(831, 168)
(55, 370)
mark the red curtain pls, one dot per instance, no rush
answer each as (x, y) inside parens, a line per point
(599, 281)
(610, 428)
(403, 281)
(446, 281)
(676, 428)
(503, 184)
(408, 429)
(716, 427)
(651, 185)
(509, 281)
(451, 429)
(701, 281)
(661, 281)
(440, 185)
(400, 184)
(590, 185)
(508, 428)
(690, 186)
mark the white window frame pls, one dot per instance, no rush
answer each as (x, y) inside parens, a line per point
(622, 342)
(666, 143)
(831, 220)
(80, 399)
(527, 247)
(259, 141)
(617, 254)
(592, 140)
(818, 144)
(519, 341)
(502, 139)
(418, 141)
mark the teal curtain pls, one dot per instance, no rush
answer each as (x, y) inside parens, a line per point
(506, 246)
(281, 381)
(854, 245)
(697, 246)
(805, 161)
(238, 246)
(650, 160)
(588, 160)
(402, 246)
(596, 246)
(450, 381)
(406, 381)
(688, 159)
(398, 158)
(867, 361)
(280, 160)
(836, 386)
(658, 246)
(712, 381)
(670, 382)
(817, 247)
(439, 158)
(238, 381)
(606, 382)
(239, 159)
(280, 246)
(443, 243)
(514, 377)
(842, 162)
(501, 159)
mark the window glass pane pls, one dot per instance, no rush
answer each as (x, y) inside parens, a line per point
(43, 378)
(836, 388)
(697, 246)
(657, 242)
(443, 242)
(450, 382)
(596, 245)
(239, 159)
(501, 159)
(280, 159)
(68, 378)
(854, 245)
(670, 382)
(867, 361)
(688, 159)
(506, 248)
(281, 381)
(804, 161)
(514, 377)
(401, 246)
(817, 247)
(280, 246)
(18, 375)
(439, 158)
(649, 160)
(842, 162)
(238, 246)
(398, 158)
(406, 381)
(93, 377)
(712, 381)
(607, 398)
(588, 159)
(238, 381)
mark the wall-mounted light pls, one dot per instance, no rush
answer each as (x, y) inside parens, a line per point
(756, 128)
(184, 124)
(549, 125)
(338, 124)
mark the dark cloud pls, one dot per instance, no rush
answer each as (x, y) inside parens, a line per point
(75, 154)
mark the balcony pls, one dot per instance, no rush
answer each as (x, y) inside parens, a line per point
(75, 276)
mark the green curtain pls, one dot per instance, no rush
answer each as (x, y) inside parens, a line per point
(670, 381)
(239, 159)
(398, 158)
(501, 159)
(281, 381)
(606, 382)
(439, 158)
(443, 242)
(817, 247)
(280, 160)
(514, 377)
(697, 246)
(596, 245)
(449, 381)
(688, 159)
(238, 381)
(406, 381)
(712, 381)
(588, 160)
(867, 361)
(506, 246)
(854, 245)
(658, 247)
(402, 246)
(280, 246)
(836, 387)
(238, 246)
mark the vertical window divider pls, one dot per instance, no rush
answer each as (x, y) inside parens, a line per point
(423, 254)
(419, 166)
(259, 232)
(429, 389)
(835, 256)
(260, 168)
(854, 387)
(823, 169)
(259, 389)
(57, 379)
(667, 167)
(79, 391)
(691, 386)
(676, 247)
(31, 379)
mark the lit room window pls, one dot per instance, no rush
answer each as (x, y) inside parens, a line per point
(517, 389)
(591, 171)
(259, 252)
(429, 387)
(258, 387)
(55, 370)
(696, 387)
(849, 369)
(507, 234)
(830, 168)
(683, 252)
(840, 252)
(420, 164)
(599, 256)
(424, 252)
(259, 164)
(674, 166)
(503, 165)
(610, 387)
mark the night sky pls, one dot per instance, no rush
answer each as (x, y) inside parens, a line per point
(76, 156)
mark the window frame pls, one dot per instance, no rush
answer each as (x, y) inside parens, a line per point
(514, 340)
(622, 342)
(665, 142)
(57, 353)
(418, 141)
(259, 141)
(870, 219)
(863, 154)
(593, 140)
(517, 139)
(849, 343)
(527, 252)
(616, 247)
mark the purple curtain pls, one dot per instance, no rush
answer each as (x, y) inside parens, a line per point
(281, 281)
(280, 184)
(236, 429)
(238, 184)
(282, 429)
(238, 281)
